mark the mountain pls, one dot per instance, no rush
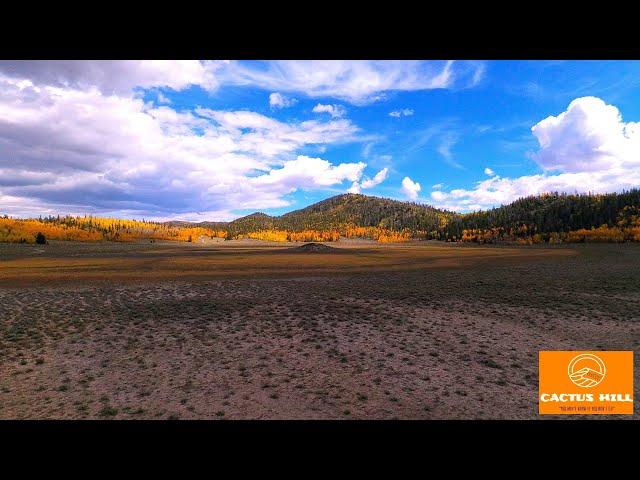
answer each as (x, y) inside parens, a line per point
(553, 212)
(364, 211)
(344, 210)
(554, 218)
(539, 214)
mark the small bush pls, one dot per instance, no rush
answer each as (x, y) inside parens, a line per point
(40, 238)
(108, 412)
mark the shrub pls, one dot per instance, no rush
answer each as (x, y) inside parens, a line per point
(108, 411)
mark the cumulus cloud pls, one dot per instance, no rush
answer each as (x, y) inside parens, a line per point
(277, 100)
(587, 148)
(75, 150)
(307, 172)
(498, 191)
(379, 177)
(356, 81)
(410, 188)
(405, 112)
(354, 188)
(589, 136)
(488, 171)
(335, 111)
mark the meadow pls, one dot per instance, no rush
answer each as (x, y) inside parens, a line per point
(256, 330)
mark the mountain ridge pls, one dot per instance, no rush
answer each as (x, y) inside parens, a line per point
(552, 217)
(337, 211)
(536, 214)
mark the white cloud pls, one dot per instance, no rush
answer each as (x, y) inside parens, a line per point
(448, 141)
(438, 195)
(356, 81)
(588, 145)
(354, 188)
(114, 76)
(335, 111)
(499, 191)
(376, 180)
(73, 150)
(366, 183)
(307, 172)
(366, 151)
(270, 137)
(277, 100)
(410, 188)
(405, 112)
(488, 171)
(437, 186)
(163, 99)
(589, 136)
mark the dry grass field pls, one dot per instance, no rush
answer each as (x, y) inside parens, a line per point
(247, 330)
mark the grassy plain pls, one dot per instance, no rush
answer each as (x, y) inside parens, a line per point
(252, 330)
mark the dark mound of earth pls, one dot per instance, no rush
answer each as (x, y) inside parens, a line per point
(313, 248)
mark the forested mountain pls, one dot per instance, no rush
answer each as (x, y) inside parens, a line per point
(535, 215)
(554, 217)
(341, 211)
(552, 213)
(364, 211)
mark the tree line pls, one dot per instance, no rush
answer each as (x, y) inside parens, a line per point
(553, 218)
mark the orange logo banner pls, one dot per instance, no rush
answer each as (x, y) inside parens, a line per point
(583, 383)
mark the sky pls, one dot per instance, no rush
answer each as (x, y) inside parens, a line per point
(216, 140)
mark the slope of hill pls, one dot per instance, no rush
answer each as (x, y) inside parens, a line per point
(549, 217)
(345, 210)
(364, 211)
(535, 218)
(553, 213)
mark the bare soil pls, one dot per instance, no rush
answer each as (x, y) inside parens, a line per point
(419, 331)
(314, 248)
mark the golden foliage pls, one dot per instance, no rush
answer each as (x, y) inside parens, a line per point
(285, 236)
(268, 235)
(91, 229)
(524, 235)
(603, 233)
(381, 235)
(314, 236)
(25, 231)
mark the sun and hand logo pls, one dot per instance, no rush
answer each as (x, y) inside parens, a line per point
(587, 370)
(585, 382)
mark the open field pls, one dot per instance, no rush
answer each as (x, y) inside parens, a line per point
(248, 330)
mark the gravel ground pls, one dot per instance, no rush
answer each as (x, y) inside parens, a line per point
(456, 341)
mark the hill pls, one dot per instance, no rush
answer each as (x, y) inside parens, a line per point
(554, 217)
(341, 211)
(546, 217)
(551, 213)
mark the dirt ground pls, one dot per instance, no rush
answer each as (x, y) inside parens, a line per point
(244, 331)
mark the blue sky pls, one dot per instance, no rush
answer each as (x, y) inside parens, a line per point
(215, 140)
